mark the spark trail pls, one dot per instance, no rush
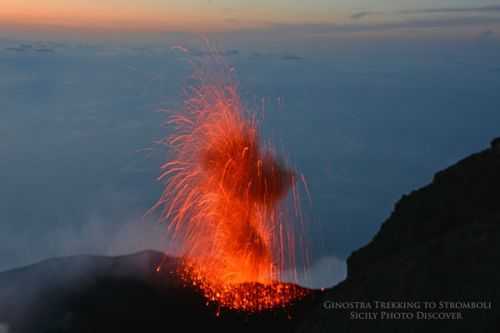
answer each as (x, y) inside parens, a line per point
(223, 201)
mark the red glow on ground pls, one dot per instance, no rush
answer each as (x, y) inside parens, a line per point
(222, 199)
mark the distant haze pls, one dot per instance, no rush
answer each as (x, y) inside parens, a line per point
(367, 111)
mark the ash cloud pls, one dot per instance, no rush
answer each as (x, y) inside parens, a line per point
(493, 9)
(40, 47)
(361, 15)
(416, 23)
(98, 236)
(15, 49)
(45, 50)
(65, 130)
(478, 9)
(284, 56)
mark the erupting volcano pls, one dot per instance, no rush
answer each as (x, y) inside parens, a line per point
(225, 201)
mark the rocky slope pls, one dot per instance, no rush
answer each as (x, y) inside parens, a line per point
(442, 244)
(119, 294)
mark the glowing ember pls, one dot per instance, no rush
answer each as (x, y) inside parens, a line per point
(222, 200)
(248, 296)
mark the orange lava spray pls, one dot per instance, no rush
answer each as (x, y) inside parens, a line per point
(223, 200)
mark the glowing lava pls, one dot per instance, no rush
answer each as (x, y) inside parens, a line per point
(222, 198)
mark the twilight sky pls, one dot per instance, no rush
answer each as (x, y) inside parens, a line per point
(205, 15)
(367, 98)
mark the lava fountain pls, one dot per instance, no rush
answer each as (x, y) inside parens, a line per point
(223, 201)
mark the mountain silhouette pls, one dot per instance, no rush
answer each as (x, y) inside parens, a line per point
(441, 244)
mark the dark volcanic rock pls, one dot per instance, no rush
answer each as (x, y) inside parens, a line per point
(441, 243)
(464, 196)
(119, 294)
(495, 145)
